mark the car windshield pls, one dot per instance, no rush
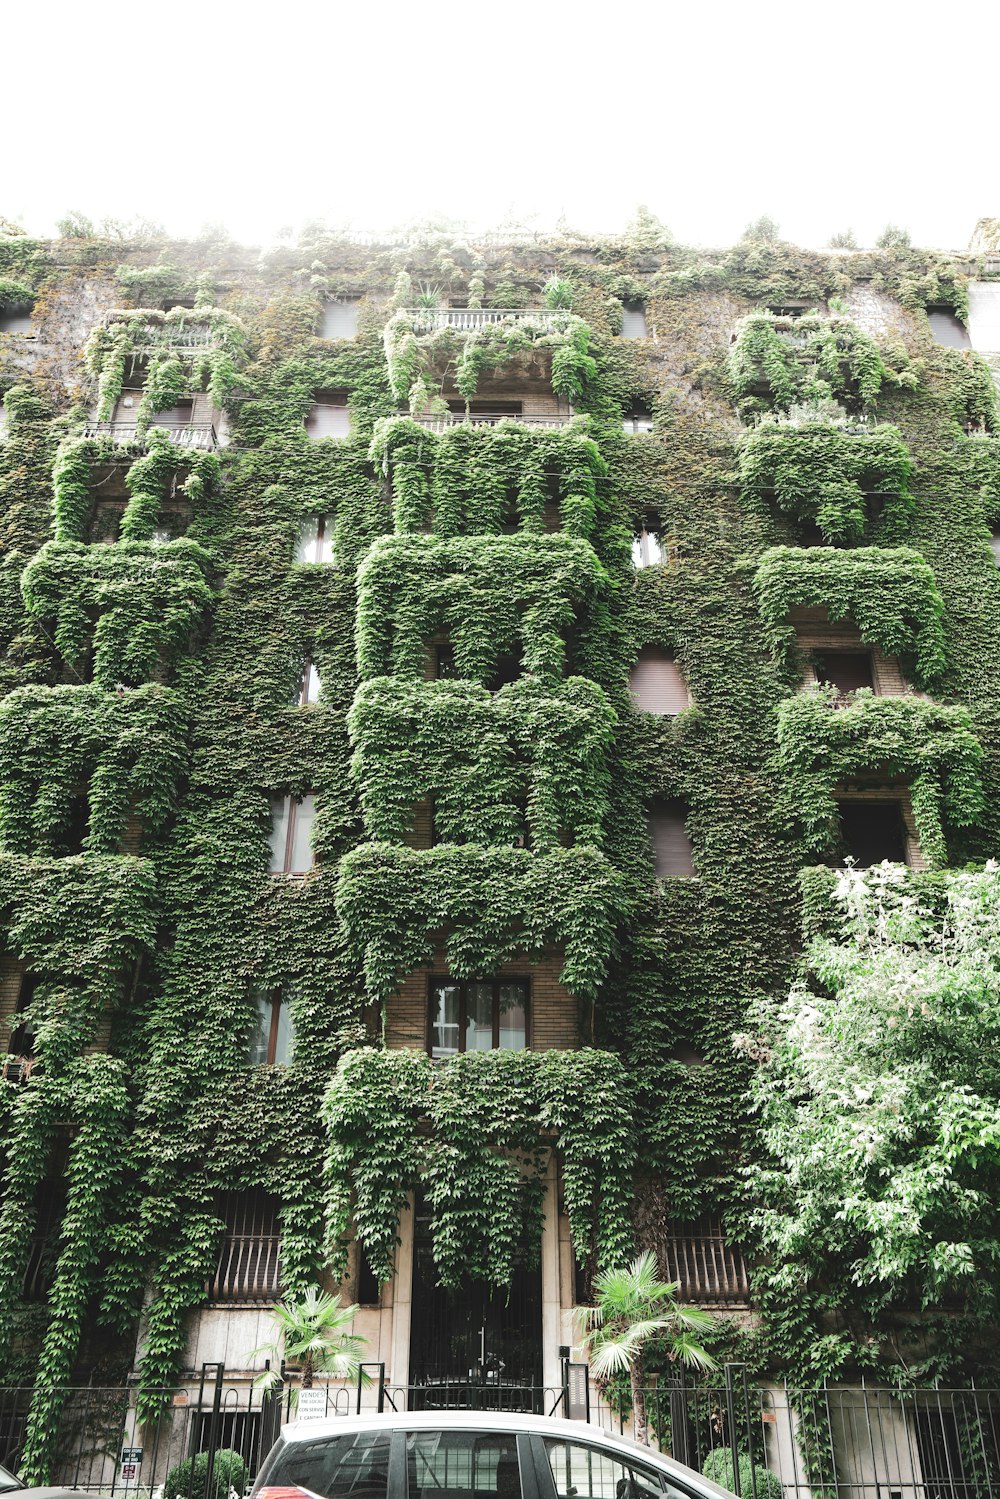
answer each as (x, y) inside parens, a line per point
(8, 1482)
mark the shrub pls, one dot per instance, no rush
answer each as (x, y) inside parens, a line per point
(189, 1479)
(718, 1466)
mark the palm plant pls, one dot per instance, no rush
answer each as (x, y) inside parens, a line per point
(313, 1336)
(633, 1308)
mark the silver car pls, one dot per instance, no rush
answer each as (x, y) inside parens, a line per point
(13, 1486)
(468, 1455)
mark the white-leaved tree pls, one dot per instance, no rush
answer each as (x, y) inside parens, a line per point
(878, 1092)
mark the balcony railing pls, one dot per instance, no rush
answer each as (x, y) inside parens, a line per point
(199, 435)
(709, 1270)
(173, 336)
(248, 1270)
(16, 1069)
(470, 319)
(439, 422)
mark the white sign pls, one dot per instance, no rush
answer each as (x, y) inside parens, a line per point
(311, 1405)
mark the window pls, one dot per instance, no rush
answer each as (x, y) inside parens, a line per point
(638, 418)
(15, 322)
(580, 1471)
(845, 670)
(308, 686)
(672, 854)
(161, 535)
(367, 1291)
(646, 549)
(872, 831)
(271, 1038)
(481, 1015)
(948, 329)
(445, 665)
(506, 671)
(315, 539)
(291, 833)
(179, 415)
(328, 415)
(22, 1040)
(468, 1463)
(340, 318)
(248, 1267)
(995, 545)
(656, 683)
(345, 1465)
(487, 411)
(634, 320)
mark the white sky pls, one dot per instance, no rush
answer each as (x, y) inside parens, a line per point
(852, 114)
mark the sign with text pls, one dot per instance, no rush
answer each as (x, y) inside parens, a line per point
(311, 1405)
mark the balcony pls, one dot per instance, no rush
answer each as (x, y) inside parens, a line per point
(471, 319)
(197, 335)
(442, 421)
(198, 436)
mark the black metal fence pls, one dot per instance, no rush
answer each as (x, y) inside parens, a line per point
(762, 1441)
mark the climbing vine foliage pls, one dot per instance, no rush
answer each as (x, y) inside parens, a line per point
(491, 1119)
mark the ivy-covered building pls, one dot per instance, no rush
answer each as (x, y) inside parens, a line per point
(433, 671)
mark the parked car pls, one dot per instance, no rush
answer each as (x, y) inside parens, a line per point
(468, 1455)
(11, 1485)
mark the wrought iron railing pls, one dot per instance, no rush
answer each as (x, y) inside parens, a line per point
(199, 435)
(173, 336)
(248, 1270)
(709, 1271)
(469, 319)
(441, 421)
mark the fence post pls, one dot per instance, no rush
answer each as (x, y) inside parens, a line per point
(381, 1385)
(728, 1373)
(680, 1436)
(213, 1427)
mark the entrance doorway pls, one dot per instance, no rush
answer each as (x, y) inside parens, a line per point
(478, 1347)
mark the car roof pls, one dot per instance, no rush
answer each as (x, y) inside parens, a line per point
(550, 1426)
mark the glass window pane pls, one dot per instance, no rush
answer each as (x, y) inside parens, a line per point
(312, 684)
(513, 1017)
(469, 1462)
(479, 1017)
(306, 551)
(324, 544)
(284, 1040)
(302, 854)
(591, 1473)
(444, 1020)
(354, 1464)
(280, 812)
(260, 1032)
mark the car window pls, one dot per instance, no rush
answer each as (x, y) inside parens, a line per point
(466, 1463)
(8, 1483)
(580, 1471)
(355, 1464)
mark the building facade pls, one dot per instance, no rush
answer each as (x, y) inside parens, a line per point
(412, 660)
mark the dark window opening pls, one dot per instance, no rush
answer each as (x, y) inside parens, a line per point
(846, 670)
(478, 1015)
(672, 852)
(634, 320)
(22, 1041)
(74, 832)
(272, 1036)
(871, 831)
(656, 683)
(248, 1266)
(506, 671)
(368, 1291)
(328, 416)
(15, 321)
(948, 328)
(445, 665)
(683, 1051)
(44, 1243)
(793, 309)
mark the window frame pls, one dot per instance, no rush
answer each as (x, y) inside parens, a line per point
(296, 801)
(641, 544)
(307, 670)
(462, 985)
(275, 999)
(316, 541)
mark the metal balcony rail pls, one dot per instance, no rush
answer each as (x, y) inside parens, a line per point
(708, 1269)
(470, 319)
(174, 336)
(199, 435)
(17, 1069)
(441, 421)
(248, 1270)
